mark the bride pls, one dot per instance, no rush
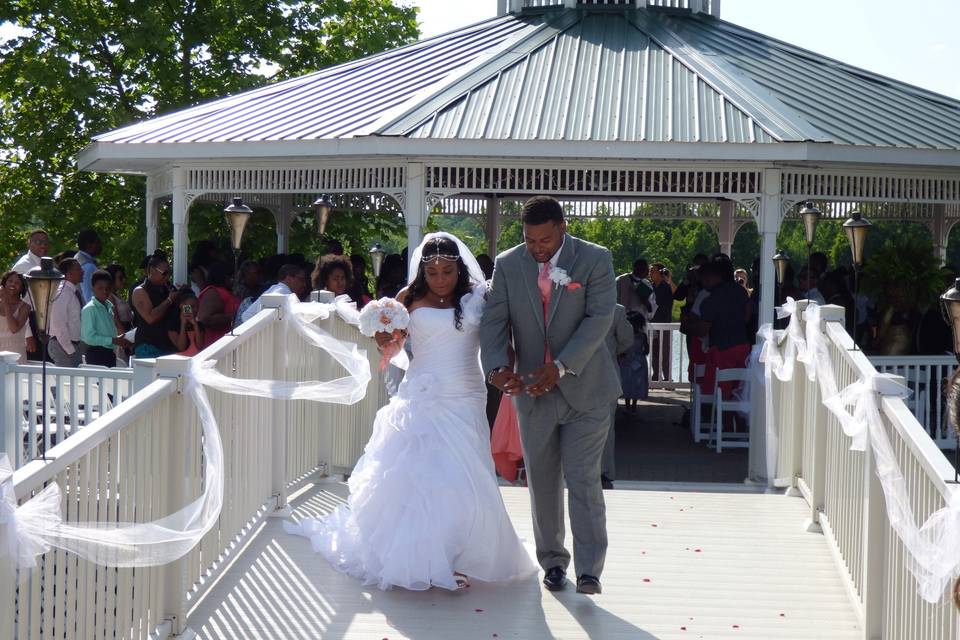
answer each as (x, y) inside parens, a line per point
(424, 508)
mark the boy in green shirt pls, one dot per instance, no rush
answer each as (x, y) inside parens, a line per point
(98, 326)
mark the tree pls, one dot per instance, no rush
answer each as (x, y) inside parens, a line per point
(82, 67)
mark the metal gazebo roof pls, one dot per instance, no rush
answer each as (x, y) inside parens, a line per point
(583, 74)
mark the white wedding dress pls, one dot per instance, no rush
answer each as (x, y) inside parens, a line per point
(424, 501)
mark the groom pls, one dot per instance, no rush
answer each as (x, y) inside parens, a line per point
(556, 294)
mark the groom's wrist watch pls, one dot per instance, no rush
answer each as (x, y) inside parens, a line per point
(495, 372)
(560, 368)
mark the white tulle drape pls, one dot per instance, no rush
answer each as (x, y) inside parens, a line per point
(932, 549)
(35, 526)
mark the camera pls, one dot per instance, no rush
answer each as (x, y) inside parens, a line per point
(188, 309)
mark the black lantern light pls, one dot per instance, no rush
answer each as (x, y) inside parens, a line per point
(43, 282)
(377, 255)
(810, 215)
(856, 227)
(780, 262)
(324, 207)
(237, 215)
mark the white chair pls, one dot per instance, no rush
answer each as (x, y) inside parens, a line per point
(698, 401)
(735, 405)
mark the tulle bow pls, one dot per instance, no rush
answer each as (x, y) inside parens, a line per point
(22, 527)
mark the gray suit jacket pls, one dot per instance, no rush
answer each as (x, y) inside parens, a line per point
(579, 320)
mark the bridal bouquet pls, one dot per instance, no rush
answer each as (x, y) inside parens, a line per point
(386, 315)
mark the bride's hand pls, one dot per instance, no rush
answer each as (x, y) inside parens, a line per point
(383, 338)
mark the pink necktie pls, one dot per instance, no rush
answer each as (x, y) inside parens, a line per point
(546, 289)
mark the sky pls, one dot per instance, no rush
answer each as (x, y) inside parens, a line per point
(910, 40)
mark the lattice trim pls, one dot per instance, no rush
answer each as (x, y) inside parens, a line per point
(609, 182)
(290, 180)
(870, 187)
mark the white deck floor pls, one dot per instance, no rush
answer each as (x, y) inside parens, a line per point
(680, 565)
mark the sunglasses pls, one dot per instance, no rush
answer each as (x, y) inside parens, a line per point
(162, 272)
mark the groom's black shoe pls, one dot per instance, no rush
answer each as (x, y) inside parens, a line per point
(555, 579)
(588, 585)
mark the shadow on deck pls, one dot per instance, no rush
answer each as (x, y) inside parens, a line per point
(653, 446)
(680, 565)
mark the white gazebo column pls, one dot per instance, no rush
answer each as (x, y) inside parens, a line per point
(768, 222)
(940, 232)
(493, 226)
(151, 217)
(727, 231)
(415, 205)
(283, 219)
(180, 216)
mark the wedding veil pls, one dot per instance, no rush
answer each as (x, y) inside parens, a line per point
(473, 267)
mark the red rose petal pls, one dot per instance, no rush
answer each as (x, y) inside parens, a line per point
(683, 628)
(736, 626)
(646, 579)
(698, 550)
(653, 525)
(783, 615)
(479, 610)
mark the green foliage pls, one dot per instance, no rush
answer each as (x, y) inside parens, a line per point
(82, 67)
(904, 273)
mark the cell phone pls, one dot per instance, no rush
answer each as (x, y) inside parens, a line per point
(188, 309)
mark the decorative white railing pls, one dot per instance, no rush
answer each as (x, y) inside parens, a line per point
(927, 377)
(847, 501)
(668, 359)
(75, 398)
(142, 461)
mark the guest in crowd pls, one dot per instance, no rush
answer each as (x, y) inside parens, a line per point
(218, 306)
(154, 310)
(332, 273)
(663, 289)
(634, 375)
(333, 246)
(204, 254)
(393, 276)
(833, 288)
(198, 278)
(359, 291)
(88, 248)
(635, 291)
(64, 321)
(819, 263)
(683, 292)
(722, 318)
(249, 286)
(121, 308)
(14, 315)
(187, 333)
(807, 280)
(742, 278)
(619, 340)
(100, 331)
(292, 279)
(38, 244)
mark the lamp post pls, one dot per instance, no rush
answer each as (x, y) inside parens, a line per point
(43, 282)
(780, 263)
(324, 207)
(237, 215)
(376, 258)
(810, 215)
(856, 227)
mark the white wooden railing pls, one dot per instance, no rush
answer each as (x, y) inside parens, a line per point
(668, 347)
(844, 494)
(927, 377)
(142, 461)
(75, 398)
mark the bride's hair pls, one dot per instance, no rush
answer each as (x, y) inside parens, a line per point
(441, 249)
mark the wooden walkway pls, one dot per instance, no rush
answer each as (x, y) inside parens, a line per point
(681, 564)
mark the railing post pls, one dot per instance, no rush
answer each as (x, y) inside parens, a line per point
(10, 420)
(174, 485)
(818, 424)
(144, 372)
(875, 528)
(278, 440)
(799, 391)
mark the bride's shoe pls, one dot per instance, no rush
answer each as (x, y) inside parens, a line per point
(462, 581)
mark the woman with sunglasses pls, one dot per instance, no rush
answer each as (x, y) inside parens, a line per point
(154, 311)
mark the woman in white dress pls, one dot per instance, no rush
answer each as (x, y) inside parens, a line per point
(14, 315)
(425, 509)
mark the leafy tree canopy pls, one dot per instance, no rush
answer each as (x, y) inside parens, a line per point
(82, 67)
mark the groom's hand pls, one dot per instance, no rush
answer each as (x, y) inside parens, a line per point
(543, 380)
(507, 381)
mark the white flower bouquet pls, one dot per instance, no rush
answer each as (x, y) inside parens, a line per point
(386, 315)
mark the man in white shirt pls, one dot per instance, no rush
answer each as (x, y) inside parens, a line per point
(292, 279)
(64, 321)
(38, 243)
(89, 247)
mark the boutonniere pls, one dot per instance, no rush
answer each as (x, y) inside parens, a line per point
(560, 278)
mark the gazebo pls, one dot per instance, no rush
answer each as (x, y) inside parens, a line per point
(613, 102)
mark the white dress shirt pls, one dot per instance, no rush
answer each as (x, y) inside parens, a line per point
(255, 308)
(27, 261)
(64, 321)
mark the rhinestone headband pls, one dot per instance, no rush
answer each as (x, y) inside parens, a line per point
(439, 256)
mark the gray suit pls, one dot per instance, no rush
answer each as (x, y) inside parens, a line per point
(566, 428)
